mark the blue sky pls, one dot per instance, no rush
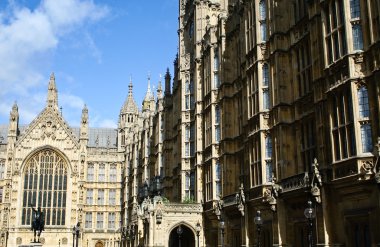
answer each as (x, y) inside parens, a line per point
(92, 46)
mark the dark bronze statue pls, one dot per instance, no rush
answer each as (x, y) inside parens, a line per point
(38, 223)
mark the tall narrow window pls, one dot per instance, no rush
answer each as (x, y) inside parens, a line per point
(112, 197)
(268, 147)
(2, 169)
(335, 31)
(1, 194)
(192, 138)
(255, 161)
(343, 133)
(268, 158)
(90, 172)
(187, 95)
(88, 223)
(187, 141)
(111, 220)
(218, 184)
(216, 68)
(363, 102)
(99, 220)
(357, 36)
(102, 173)
(113, 173)
(266, 101)
(89, 197)
(269, 171)
(265, 75)
(208, 182)
(101, 197)
(355, 8)
(366, 135)
(45, 186)
(187, 186)
(263, 10)
(263, 20)
(217, 124)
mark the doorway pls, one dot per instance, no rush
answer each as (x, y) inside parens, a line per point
(181, 236)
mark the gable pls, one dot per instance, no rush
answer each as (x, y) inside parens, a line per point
(48, 128)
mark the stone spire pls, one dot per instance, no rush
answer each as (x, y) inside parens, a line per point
(130, 105)
(52, 98)
(149, 95)
(167, 82)
(149, 98)
(159, 88)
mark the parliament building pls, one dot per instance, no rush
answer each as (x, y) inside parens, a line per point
(267, 134)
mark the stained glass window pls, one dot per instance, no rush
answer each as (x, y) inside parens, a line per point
(45, 186)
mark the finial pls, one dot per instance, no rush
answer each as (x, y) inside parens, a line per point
(130, 86)
(15, 107)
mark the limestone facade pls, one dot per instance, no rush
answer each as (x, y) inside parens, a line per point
(272, 104)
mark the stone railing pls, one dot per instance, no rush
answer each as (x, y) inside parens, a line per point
(182, 207)
(294, 183)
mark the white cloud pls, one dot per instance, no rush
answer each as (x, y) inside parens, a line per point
(70, 101)
(28, 37)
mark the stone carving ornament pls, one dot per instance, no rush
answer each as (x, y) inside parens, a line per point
(48, 129)
(240, 199)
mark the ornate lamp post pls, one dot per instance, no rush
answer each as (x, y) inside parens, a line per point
(258, 222)
(76, 232)
(222, 227)
(179, 232)
(310, 215)
(198, 229)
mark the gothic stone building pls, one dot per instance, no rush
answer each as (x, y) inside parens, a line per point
(273, 103)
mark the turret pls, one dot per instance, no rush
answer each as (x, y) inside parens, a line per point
(167, 82)
(129, 112)
(129, 115)
(148, 102)
(52, 98)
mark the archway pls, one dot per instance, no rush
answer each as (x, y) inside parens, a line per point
(181, 236)
(99, 244)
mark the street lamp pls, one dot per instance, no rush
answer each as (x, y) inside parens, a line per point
(258, 222)
(310, 215)
(222, 226)
(179, 232)
(198, 229)
(76, 231)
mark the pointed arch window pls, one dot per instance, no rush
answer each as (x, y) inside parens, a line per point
(45, 186)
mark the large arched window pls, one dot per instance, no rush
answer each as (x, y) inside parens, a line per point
(45, 185)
